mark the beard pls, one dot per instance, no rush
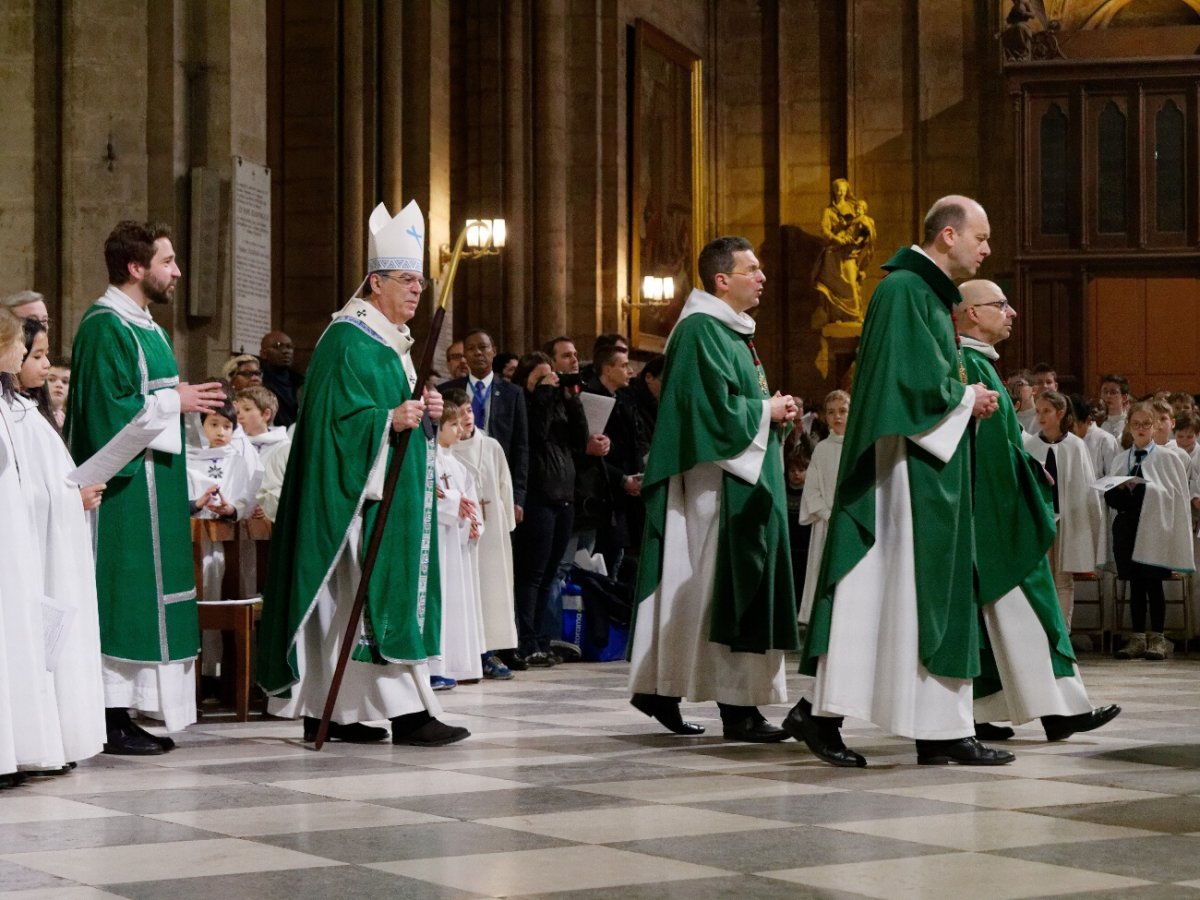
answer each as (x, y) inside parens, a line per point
(158, 293)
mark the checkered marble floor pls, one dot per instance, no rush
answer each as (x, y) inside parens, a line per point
(565, 791)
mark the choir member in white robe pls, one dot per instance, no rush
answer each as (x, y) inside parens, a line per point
(274, 468)
(459, 529)
(1080, 543)
(65, 539)
(484, 460)
(816, 503)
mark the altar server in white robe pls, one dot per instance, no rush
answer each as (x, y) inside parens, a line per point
(484, 460)
(1080, 543)
(460, 527)
(816, 503)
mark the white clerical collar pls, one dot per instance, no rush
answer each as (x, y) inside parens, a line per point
(487, 380)
(127, 308)
(703, 303)
(982, 346)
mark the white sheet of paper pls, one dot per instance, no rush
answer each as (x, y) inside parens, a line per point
(597, 408)
(131, 441)
(1108, 482)
(56, 622)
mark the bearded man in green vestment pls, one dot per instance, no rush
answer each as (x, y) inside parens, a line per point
(894, 632)
(127, 383)
(1028, 666)
(360, 387)
(716, 606)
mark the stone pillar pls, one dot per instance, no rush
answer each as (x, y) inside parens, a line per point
(551, 148)
(518, 255)
(18, 150)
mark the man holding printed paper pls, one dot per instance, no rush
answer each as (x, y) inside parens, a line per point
(123, 417)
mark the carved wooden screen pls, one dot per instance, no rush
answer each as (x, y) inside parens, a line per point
(1166, 170)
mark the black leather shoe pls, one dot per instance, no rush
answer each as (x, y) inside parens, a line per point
(1059, 728)
(986, 731)
(165, 742)
(666, 711)
(513, 660)
(822, 735)
(353, 733)
(964, 751)
(126, 741)
(753, 729)
(432, 734)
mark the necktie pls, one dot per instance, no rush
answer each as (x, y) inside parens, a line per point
(1138, 456)
(479, 403)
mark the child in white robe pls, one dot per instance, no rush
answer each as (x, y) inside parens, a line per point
(1151, 531)
(820, 484)
(484, 460)
(459, 530)
(256, 408)
(1079, 545)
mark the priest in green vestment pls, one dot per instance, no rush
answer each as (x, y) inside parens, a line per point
(716, 607)
(894, 634)
(1028, 666)
(360, 388)
(124, 410)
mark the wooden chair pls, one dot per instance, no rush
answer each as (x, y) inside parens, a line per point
(239, 609)
(1101, 627)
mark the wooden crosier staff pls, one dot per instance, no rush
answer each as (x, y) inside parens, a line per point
(399, 441)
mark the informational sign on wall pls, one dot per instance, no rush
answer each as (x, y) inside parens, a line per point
(251, 242)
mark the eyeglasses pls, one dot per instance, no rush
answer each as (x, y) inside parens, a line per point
(752, 273)
(407, 278)
(1001, 305)
(248, 373)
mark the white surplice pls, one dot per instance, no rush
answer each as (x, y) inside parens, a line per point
(69, 575)
(1102, 447)
(872, 669)
(816, 506)
(1164, 532)
(462, 615)
(1081, 544)
(484, 459)
(29, 731)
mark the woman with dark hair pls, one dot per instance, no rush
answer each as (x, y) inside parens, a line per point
(557, 427)
(30, 380)
(505, 365)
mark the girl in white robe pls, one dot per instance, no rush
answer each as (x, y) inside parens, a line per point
(484, 460)
(820, 484)
(459, 529)
(1151, 531)
(29, 733)
(1080, 542)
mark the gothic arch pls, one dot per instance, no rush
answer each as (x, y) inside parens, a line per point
(1102, 16)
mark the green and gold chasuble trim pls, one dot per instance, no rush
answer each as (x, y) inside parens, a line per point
(907, 381)
(710, 410)
(145, 582)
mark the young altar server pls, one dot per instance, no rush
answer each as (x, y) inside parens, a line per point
(1101, 445)
(61, 530)
(460, 526)
(1151, 532)
(1080, 541)
(256, 408)
(484, 459)
(819, 485)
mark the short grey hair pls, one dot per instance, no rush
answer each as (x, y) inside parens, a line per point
(20, 298)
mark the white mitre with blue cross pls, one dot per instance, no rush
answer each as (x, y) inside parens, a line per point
(396, 244)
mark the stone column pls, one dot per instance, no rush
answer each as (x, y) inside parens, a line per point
(551, 148)
(18, 150)
(518, 255)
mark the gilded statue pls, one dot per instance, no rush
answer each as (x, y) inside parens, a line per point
(850, 233)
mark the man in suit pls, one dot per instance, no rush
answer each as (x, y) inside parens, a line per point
(498, 406)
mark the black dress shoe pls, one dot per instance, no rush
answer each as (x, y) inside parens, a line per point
(1059, 728)
(432, 734)
(822, 735)
(986, 731)
(165, 742)
(513, 660)
(666, 711)
(752, 729)
(964, 751)
(353, 733)
(127, 741)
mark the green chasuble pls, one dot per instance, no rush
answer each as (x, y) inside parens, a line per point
(144, 578)
(354, 381)
(1014, 523)
(907, 381)
(710, 410)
